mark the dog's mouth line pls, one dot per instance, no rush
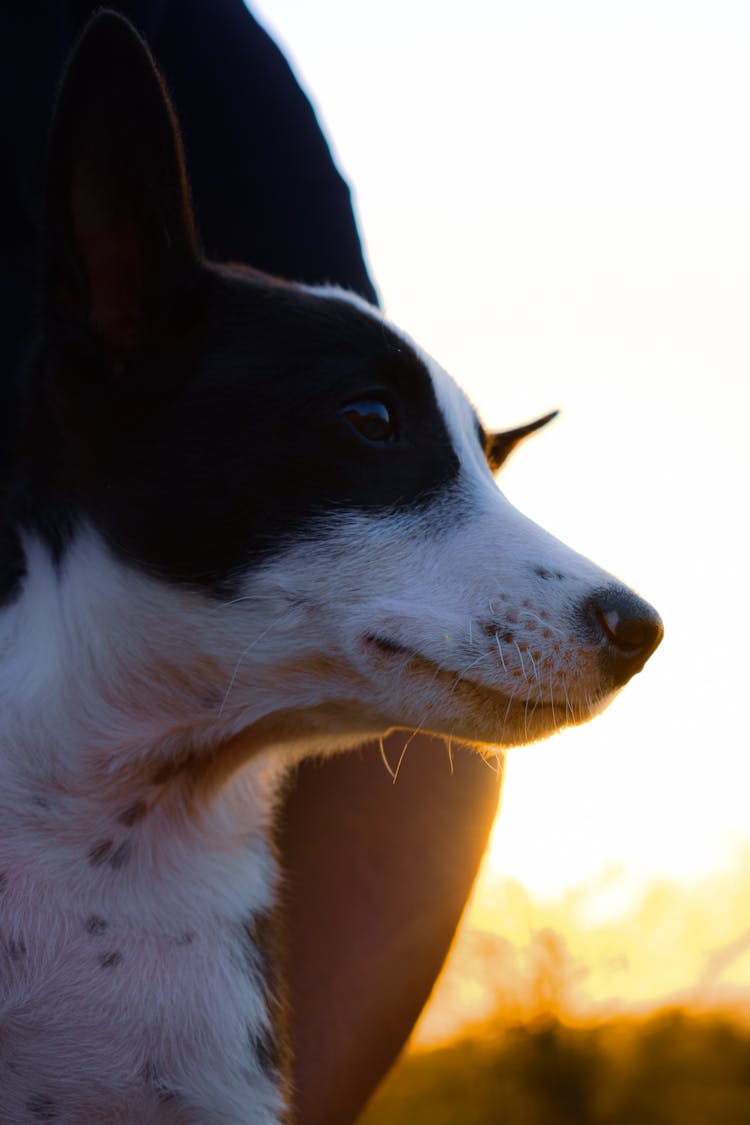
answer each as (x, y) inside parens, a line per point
(456, 680)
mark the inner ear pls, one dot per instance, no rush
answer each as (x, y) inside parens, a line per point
(499, 446)
(121, 243)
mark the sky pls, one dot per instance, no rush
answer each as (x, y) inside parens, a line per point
(555, 200)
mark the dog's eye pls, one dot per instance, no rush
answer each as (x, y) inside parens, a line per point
(371, 418)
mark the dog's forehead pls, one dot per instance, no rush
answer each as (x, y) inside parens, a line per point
(252, 450)
(460, 418)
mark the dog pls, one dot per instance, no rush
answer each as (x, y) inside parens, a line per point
(249, 521)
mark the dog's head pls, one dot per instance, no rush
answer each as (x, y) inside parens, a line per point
(270, 485)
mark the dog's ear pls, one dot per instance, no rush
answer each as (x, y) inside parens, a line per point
(121, 246)
(498, 447)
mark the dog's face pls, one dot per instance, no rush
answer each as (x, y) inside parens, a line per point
(303, 501)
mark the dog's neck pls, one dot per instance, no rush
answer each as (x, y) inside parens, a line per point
(114, 748)
(115, 727)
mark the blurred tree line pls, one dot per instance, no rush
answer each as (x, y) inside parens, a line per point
(673, 1068)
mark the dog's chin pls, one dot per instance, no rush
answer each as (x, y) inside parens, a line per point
(444, 702)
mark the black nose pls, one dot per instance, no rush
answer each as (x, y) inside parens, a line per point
(629, 628)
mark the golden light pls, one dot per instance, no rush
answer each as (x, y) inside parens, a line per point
(556, 200)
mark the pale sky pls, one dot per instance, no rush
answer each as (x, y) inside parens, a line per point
(556, 204)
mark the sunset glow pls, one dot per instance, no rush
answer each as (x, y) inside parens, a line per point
(556, 202)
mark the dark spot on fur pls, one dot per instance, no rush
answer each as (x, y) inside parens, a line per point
(171, 770)
(247, 955)
(110, 960)
(186, 939)
(40, 802)
(265, 1050)
(547, 575)
(508, 637)
(16, 949)
(120, 855)
(385, 644)
(95, 925)
(3, 881)
(99, 853)
(133, 814)
(42, 1108)
(149, 1076)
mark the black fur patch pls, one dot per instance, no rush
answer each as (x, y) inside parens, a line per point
(226, 443)
(42, 1108)
(193, 414)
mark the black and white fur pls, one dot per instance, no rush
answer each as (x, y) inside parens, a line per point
(249, 521)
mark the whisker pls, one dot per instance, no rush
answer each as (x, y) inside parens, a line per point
(492, 762)
(511, 697)
(568, 705)
(241, 657)
(552, 698)
(500, 652)
(384, 756)
(520, 657)
(546, 624)
(402, 755)
(533, 665)
(239, 599)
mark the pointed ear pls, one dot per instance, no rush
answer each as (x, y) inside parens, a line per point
(498, 447)
(121, 243)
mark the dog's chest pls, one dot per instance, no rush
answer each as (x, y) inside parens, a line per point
(116, 1006)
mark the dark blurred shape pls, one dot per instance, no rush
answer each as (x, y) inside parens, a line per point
(673, 1068)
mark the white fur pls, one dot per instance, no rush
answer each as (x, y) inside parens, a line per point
(106, 675)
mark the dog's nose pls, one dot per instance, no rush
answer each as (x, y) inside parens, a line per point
(630, 628)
